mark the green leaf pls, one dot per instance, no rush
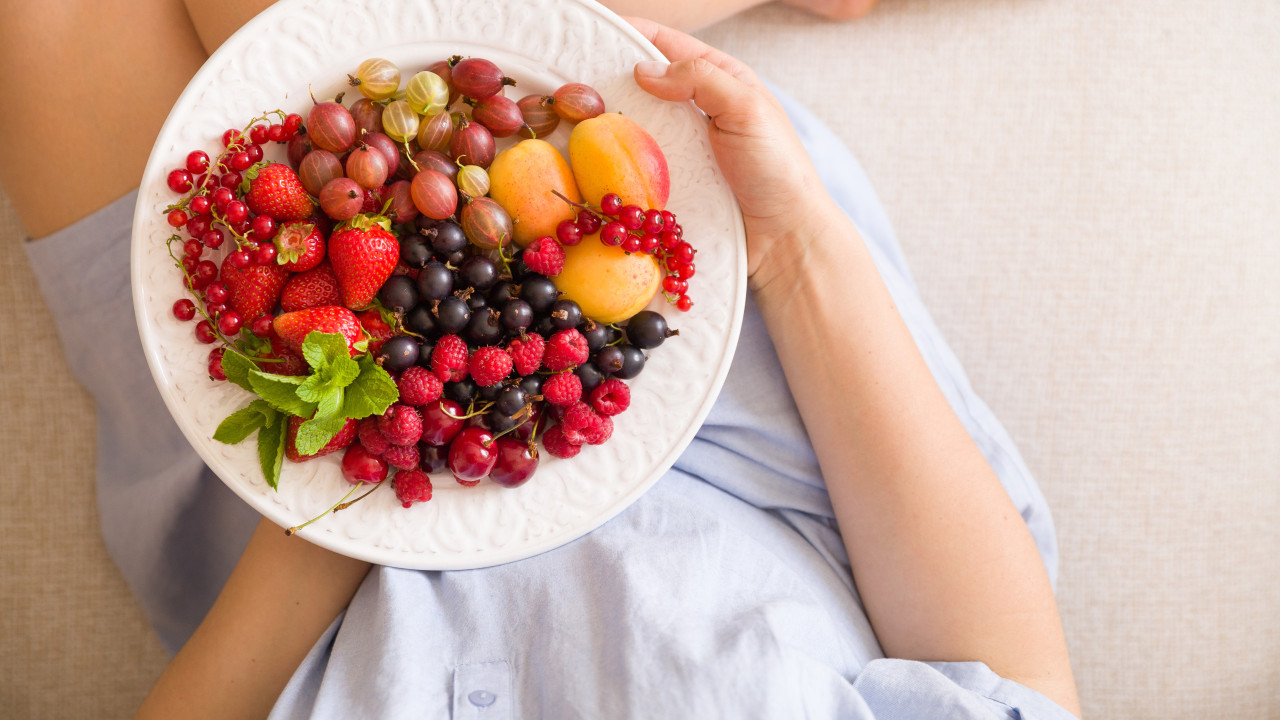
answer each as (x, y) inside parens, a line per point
(271, 451)
(371, 393)
(241, 423)
(328, 380)
(281, 392)
(315, 433)
(237, 368)
(321, 349)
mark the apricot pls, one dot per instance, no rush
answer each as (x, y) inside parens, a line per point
(611, 153)
(521, 180)
(607, 283)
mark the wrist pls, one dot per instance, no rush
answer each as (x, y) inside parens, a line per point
(781, 250)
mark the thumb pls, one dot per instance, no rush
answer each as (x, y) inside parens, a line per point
(713, 90)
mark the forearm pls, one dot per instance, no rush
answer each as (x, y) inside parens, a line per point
(279, 600)
(944, 564)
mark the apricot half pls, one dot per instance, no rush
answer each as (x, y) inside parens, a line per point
(607, 283)
(611, 153)
(521, 180)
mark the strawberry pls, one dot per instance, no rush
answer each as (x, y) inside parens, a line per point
(293, 327)
(313, 288)
(363, 256)
(376, 327)
(339, 442)
(254, 290)
(275, 190)
(299, 246)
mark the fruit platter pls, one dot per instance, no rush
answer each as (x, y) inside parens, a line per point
(436, 285)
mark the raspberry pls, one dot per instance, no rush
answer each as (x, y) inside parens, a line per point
(544, 256)
(526, 353)
(449, 359)
(489, 366)
(418, 386)
(579, 423)
(597, 434)
(401, 425)
(566, 350)
(402, 457)
(611, 397)
(555, 443)
(412, 486)
(371, 437)
(562, 389)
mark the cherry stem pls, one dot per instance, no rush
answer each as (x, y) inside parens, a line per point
(296, 528)
(472, 411)
(345, 505)
(526, 410)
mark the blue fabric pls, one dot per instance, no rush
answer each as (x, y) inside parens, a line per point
(724, 591)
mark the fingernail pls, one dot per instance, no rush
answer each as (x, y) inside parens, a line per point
(651, 68)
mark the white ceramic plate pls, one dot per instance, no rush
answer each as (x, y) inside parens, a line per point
(294, 48)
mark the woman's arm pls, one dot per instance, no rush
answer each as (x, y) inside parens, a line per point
(945, 566)
(282, 596)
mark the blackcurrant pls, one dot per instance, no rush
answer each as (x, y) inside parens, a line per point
(516, 315)
(398, 353)
(420, 320)
(566, 315)
(597, 335)
(452, 315)
(510, 400)
(449, 238)
(435, 281)
(647, 329)
(610, 359)
(461, 392)
(415, 251)
(539, 292)
(399, 293)
(478, 272)
(632, 362)
(484, 328)
(590, 376)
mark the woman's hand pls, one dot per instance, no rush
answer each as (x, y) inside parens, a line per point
(778, 190)
(835, 9)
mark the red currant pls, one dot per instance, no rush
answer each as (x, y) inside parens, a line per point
(230, 181)
(180, 180)
(240, 161)
(264, 228)
(611, 204)
(258, 134)
(254, 152)
(669, 239)
(215, 309)
(261, 326)
(684, 253)
(684, 303)
(292, 122)
(239, 259)
(276, 133)
(222, 196)
(184, 309)
(670, 284)
(189, 263)
(631, 217)
(213, 239)
(230, 322)
(197, 162)
(215, 364)
(204, 332)
(177, 218)
(588, 222)
(649, 243)
(265, 254)
(653, 221)
(568, 233)
(236, 212)
(631, 244)
(232, 137)
(200, 205)
(686, 271)
(192, 248)
(217, 293)
(668, 218)
(205, 273)
(613, 233)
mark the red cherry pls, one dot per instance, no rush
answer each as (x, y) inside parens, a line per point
(361, 466)
(514, 464)
(438, 428)
(472, 454)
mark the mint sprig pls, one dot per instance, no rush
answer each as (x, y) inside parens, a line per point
(339, 388)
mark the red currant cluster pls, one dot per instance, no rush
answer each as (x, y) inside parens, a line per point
(634, 229)
(212, 207)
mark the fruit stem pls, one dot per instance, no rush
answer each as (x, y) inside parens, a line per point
(293, 530)
(345, 505)
(472, 411)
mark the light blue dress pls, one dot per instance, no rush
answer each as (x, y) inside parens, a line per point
(724, 592)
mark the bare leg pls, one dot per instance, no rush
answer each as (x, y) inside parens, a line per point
(92, 82)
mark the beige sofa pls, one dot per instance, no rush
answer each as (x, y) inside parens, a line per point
(1089, 195)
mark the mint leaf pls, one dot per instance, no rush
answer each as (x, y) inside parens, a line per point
(281, 392)
(237, 368)
(241, 423)
(315, 433)
(328, 380)
(371, 393)
(271, 451)
(330, 405)
(322, 350)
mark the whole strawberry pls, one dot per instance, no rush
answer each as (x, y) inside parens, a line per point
(313, 288)
(339, 442)
(293, 327)
(376, 327)
(255, 289)
(275, 190)
(299, 246)
(362, 258)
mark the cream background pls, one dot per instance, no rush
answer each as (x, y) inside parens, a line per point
(1089, 195)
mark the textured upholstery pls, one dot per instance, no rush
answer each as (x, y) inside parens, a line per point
(1089, 195)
